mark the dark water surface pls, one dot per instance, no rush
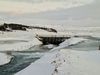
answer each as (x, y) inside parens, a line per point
(21, 60)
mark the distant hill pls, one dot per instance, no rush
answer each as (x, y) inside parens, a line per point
(12, 26)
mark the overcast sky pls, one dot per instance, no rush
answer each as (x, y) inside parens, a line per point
(34, 6)
(73, 12)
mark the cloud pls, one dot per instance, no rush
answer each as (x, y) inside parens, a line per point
(35, 6)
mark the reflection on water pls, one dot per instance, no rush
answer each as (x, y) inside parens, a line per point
(16, 64)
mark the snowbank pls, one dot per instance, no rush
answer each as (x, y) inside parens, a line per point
(4, 58)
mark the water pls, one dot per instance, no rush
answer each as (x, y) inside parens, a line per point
(87, 45)
(21, 60)
(16, 64)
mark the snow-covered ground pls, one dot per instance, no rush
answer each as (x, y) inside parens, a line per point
(79, 63)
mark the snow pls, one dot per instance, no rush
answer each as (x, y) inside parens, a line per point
(19, 46)
(4, 58)
(68, 42)
(42, 66)
(15, 39)
(49, 46)
(79, 63)
(58, 61)
(72, 41)
(18, 40)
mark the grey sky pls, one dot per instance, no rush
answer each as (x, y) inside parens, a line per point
(86, 15)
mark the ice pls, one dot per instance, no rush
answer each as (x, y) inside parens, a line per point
(18, 40)
(4, 58)
(72, 41)
(68, 42)
(19, 46)
(42, 66)
(49, 46)
(58, 61)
